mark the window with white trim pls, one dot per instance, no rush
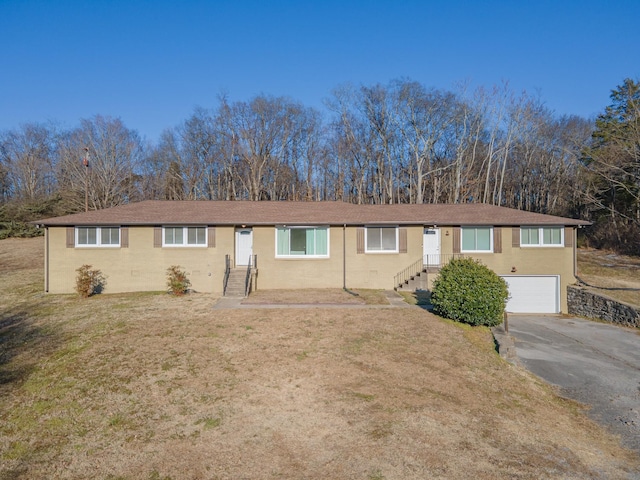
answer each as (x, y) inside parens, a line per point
(184, 236)
(293, 242)
(97, 236)
(541, 236)
(381, 239)
(477, 239)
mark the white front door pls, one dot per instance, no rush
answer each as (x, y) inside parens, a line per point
(431, 246)
(244, 246)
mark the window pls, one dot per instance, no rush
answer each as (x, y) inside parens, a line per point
(477, 239)
(381, 239)
(542, 236)
(185, 236)
(302, 242)
(97, 236)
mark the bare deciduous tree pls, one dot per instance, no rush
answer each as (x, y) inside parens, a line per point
(26, 157)
(395, 143)
(114, 156)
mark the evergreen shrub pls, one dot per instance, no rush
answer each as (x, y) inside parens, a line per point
(468, 291)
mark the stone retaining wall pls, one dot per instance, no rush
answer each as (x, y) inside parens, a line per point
(586, 303)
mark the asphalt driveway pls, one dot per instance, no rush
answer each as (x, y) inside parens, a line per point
(594, 363)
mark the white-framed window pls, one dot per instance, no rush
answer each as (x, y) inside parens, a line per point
(381, 240)
(477, 239)
(97, 236)
(184, 236)
(541, 236)
(297, 242)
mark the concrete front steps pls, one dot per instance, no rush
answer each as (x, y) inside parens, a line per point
(420, 281)
(236, 283)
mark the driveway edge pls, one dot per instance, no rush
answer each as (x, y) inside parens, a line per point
(505, 344)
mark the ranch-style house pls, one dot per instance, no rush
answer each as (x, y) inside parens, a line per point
(298, 245)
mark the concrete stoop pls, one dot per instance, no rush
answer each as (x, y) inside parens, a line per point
(420, 281)
(236, 283)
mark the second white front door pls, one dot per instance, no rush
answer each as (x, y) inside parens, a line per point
(431, 246)
(244, 246)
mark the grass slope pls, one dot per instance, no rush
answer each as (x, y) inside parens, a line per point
(150, 386)
(610, 274)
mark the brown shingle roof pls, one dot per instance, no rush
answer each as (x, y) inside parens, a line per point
(159, 212)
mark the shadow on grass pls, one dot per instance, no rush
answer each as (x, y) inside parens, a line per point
(421, 298)
(12, 474)
(19, 335)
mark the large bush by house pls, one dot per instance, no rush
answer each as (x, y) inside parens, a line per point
(470, 292)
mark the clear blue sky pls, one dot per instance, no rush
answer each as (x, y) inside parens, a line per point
(151, 62)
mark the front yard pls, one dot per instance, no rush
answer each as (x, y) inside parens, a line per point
(150, 386)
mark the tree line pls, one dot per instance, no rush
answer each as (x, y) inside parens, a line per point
(396, 143)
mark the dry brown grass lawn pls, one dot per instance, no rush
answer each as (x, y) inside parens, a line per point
(333, 296)
(613, 275)
(150, 386)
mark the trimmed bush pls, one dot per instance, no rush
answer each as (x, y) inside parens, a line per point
(89, 281)
(468, 291)
(177, 280)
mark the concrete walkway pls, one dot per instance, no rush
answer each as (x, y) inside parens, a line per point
(395, 301)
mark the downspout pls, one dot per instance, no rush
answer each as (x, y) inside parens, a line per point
(344, 262)
(575, 252)
(46, 259)
(344, 257)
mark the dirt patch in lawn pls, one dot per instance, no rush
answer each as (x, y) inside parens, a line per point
(142, 386)
(616, 276)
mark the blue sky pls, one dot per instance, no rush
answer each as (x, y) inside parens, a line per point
(151, 63)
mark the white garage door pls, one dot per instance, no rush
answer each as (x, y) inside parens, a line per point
(533, 293)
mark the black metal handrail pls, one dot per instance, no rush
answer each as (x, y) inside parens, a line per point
(419, 266)
(227, 271)
(253, 261)
(406, 274)
(439, 259)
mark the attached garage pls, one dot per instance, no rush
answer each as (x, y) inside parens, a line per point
(533, 293)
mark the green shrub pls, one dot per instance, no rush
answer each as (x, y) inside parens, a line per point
(177, 280)
(89, 281)
(470, 292)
